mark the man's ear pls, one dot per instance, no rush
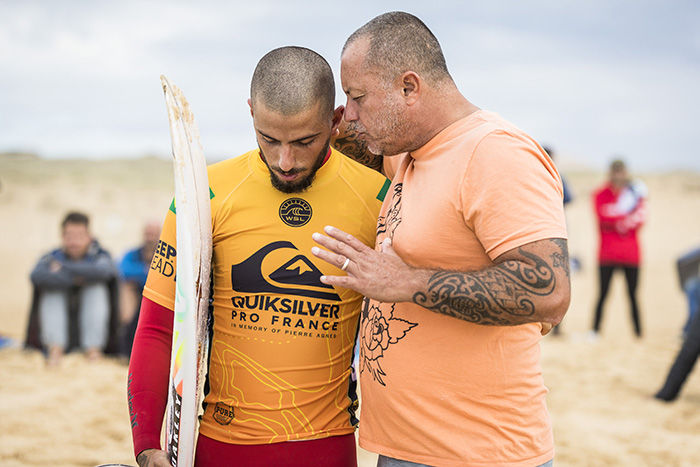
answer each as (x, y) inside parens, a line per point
(410, 87)
(337, 118)
(250, 104)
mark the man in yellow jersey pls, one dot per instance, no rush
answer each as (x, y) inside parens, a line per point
(279, 389)
(471, 263)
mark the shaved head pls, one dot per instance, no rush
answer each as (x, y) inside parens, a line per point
(290, 80)
(400, 42)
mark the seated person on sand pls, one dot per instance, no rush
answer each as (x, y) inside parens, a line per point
(80, 270)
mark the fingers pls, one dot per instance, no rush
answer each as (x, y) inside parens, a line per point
(340, 246)
(344, 238)
(340, 261)
(342, 250)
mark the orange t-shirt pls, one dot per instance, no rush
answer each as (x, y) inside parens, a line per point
(435, 389)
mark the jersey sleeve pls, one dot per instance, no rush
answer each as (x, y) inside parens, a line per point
(160, 284)
(149, 368)
(512, 194)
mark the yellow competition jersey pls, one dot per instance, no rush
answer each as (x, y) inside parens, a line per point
(282, 345)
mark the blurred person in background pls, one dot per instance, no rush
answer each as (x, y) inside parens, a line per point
(133, 270)
(689, 352)
(688, 266)
(620, 206)
(73, 299)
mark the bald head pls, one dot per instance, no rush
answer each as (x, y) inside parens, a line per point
(290, 80)
(398, 42)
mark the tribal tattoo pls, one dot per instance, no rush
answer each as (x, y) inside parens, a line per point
(143, 460)
(349, 144)
(560, 259)
(502, 295)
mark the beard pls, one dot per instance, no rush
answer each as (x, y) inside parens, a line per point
(391, 132)
(302, 184)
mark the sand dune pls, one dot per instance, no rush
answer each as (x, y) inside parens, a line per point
(600, 393)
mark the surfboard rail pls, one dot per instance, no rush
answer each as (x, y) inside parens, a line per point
(193, 227)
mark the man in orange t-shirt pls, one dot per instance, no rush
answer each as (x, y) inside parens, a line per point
(470, 266)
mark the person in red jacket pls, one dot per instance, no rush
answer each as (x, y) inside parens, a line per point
(621, 209)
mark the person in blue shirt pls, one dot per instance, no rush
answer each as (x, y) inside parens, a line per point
(133, 269)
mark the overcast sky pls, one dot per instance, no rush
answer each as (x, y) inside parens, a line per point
(593, 79)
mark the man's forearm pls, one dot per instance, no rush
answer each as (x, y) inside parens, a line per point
(149, 368)
(51, 277)
(532, 288)
(92, 270)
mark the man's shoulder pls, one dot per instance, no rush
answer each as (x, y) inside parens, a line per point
(97, 250)
(224, 168)
(361, 177)
(227, 174)
(485, 124)
(55, 254)
(133, 254)
(351, 167)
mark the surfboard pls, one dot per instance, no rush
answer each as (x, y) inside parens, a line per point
(193, 229)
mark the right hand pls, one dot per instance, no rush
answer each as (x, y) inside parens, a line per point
(153, 458)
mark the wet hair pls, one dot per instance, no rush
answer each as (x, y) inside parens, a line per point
(400, 42)
(75, 217)
(290, 80)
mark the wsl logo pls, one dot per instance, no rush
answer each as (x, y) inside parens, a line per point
(295, 212)
(292, 273)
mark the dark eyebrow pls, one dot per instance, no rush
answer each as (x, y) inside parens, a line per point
(295, 141)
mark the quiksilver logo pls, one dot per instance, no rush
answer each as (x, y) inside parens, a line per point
(292, 274)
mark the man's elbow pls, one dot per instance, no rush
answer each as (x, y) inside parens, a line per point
(558, 305)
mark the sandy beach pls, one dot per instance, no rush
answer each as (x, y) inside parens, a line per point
(600, 397)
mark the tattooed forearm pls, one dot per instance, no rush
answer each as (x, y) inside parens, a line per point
(143, 460)
(560, 258)
(149, 458)
(504, 295)
(348, 143)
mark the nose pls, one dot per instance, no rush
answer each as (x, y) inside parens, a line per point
(350, 114)
(287, 160)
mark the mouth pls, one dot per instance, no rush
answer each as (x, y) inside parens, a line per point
(288, 177)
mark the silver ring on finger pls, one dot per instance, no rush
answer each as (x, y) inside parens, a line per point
(345, 264)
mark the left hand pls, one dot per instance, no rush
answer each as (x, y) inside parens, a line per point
(380, 275)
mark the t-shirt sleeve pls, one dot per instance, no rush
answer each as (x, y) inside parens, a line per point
(512, 194)
(160, 284)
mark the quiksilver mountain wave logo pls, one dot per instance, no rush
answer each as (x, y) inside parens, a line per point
(290, 273)
(295, 212)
